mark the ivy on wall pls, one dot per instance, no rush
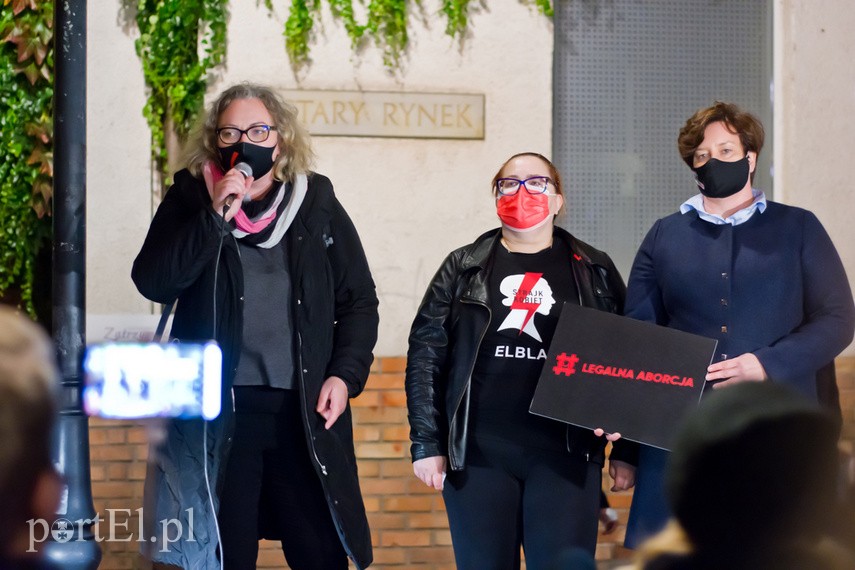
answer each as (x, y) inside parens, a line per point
(385, 24)
(457, 14)
(180, 42)
(176, 70)
(26, 143)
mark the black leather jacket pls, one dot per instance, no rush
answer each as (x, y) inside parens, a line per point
(446, 335)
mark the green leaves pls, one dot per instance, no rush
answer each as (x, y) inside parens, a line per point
(457, 14)
(29, 29)
(545, 7)
(26, 142)
(180, 41)
(298, 29)
(385, 25)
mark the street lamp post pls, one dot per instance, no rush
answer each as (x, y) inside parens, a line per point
(79, 549)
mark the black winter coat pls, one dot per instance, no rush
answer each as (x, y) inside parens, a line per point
(335, 319)
(446, 335)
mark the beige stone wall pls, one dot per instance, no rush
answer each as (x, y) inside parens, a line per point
(814, 106)
(412, 200)
(415, 200)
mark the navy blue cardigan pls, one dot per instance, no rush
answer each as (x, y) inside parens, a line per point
(773, 286)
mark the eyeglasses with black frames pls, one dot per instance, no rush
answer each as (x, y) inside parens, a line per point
(533, 185)
(255, 133)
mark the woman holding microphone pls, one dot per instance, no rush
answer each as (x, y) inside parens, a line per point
(262, 257)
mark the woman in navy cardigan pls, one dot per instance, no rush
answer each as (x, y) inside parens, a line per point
(762, 278)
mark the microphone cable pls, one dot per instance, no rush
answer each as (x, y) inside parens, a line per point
(210, 494)
(246, 170)
(223, 233)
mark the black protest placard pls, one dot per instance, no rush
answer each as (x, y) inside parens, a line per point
(622, 375)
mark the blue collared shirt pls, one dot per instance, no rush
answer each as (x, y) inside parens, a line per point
(696, 203)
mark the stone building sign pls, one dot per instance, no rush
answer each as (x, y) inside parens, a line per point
(390, 114)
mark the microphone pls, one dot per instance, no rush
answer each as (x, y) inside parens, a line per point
(246, 170)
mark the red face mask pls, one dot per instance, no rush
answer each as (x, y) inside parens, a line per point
(523, 211)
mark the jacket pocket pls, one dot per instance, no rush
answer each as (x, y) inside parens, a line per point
(605, 298)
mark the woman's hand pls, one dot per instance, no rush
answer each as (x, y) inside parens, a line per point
(744, 368)
(431, 470)
(600, 432)
(609, 518)
(622, 474)
(233, 183)
(332, 400)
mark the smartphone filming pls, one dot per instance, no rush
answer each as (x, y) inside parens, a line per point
(133, 380)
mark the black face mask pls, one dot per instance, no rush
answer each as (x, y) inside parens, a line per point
(719, 179)
(259, 158)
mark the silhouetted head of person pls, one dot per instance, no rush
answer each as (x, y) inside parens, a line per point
(29, 484)
(754, 468)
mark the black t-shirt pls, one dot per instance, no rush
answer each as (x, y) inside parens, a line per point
(526, 293)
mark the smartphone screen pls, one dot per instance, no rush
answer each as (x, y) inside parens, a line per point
(131, 380)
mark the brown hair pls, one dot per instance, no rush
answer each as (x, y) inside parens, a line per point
(295, 151)
(739, 122)
(553, 173)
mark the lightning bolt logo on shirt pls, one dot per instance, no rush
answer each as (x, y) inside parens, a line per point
(525, 295)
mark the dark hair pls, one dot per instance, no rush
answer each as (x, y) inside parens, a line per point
(739, 122)
(759, 450)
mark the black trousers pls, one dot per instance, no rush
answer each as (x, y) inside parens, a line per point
(270, 462)
(509, 495)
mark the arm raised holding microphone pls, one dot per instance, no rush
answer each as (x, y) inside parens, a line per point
(234, 185)
(244, 152)
(262, 257)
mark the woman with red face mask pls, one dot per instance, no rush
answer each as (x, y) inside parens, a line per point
(477, 346)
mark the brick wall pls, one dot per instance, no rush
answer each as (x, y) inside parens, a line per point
(846, 382)
(408, 523)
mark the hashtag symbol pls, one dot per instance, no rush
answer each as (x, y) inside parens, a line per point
(565, 364)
